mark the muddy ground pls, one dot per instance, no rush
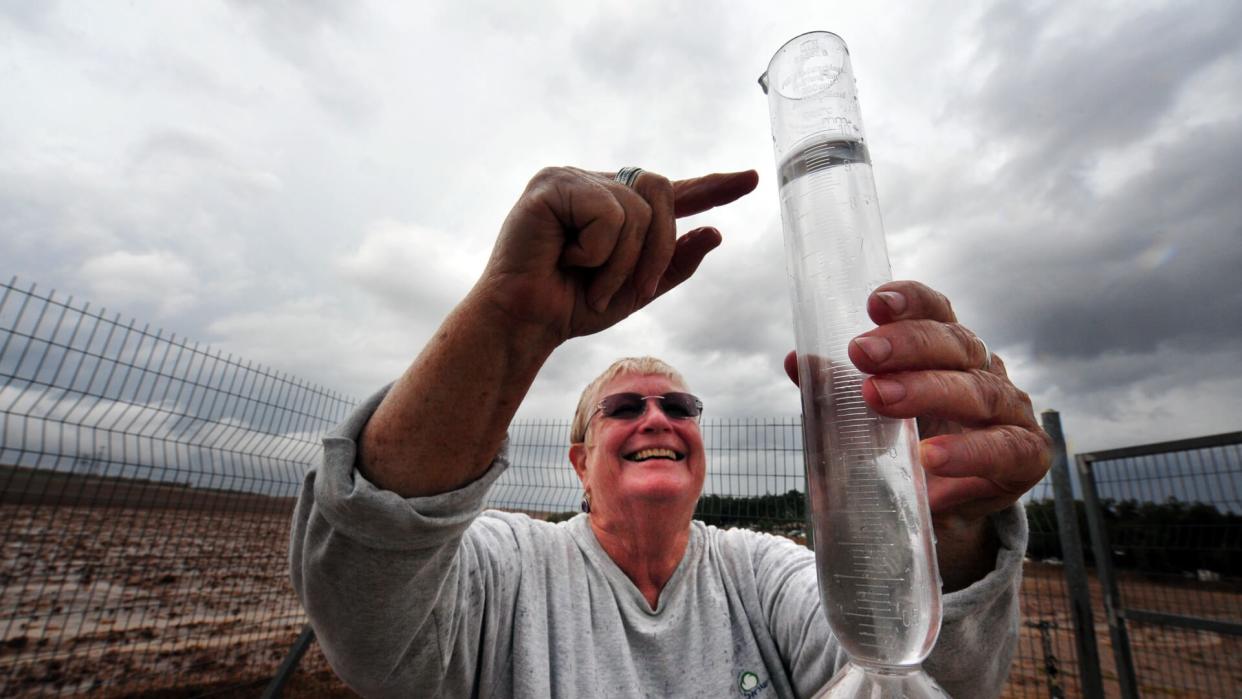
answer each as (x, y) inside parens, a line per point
(150, 602)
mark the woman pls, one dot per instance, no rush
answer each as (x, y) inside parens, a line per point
(413, 591)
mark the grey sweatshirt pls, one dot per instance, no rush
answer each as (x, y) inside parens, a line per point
(432, 596)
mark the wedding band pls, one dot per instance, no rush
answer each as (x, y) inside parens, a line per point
(987, 355)
(628, 176)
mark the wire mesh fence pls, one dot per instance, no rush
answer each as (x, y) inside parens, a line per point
(146, 487)
(1171, 522)
(147, 483)
(1046, 662)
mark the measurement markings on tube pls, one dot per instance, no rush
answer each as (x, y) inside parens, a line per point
(874, 523)
(884, 598)
(861, 439)
(876, 611)
(843, 576)
(872, 502)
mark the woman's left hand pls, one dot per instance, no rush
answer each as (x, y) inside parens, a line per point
(981, 445)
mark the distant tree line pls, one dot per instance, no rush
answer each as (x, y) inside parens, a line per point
(1155, 537)
(762, 512)
(1173, 536)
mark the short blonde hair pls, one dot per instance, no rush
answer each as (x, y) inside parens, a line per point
(643, 366)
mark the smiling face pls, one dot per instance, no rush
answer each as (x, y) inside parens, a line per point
(626, 465)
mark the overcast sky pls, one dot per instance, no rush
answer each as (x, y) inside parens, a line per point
(312, 185)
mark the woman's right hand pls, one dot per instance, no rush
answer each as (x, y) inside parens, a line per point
(580, 251)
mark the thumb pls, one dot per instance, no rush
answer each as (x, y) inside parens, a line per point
(791, 367)
(690, 250)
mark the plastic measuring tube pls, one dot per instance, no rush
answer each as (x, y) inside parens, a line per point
(874, 551)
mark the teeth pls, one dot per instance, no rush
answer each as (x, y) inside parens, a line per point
(645, 454)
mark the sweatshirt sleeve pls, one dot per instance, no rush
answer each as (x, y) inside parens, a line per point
(403, 594)
(978, 634)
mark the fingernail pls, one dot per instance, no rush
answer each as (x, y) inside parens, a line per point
(876, 348)
(890, 391)
(934, 456)
(895, 300)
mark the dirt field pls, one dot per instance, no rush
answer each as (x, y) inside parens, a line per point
(1168, 662)
(154, 602)
(118, 601)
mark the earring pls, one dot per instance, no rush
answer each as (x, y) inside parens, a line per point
(585, 506)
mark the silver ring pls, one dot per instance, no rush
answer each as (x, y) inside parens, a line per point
(987, 355)
(628, 176)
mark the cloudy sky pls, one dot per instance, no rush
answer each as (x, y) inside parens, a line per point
(312, 185)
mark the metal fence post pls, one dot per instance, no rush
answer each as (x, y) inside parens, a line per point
(290, 665)
(1117, 631)
(1075, 563)
(1051, 669)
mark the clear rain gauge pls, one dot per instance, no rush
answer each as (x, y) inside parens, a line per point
(878, 580)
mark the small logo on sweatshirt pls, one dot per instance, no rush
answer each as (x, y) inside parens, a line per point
(749, 685)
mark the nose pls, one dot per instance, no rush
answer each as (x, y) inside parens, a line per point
(653, 418)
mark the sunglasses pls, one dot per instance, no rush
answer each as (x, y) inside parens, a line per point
(631, 406)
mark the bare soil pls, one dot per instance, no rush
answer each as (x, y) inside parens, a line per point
(156, 602)
(1169, 662)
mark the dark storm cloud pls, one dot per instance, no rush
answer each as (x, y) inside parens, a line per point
(1064, 83)
(1172, 277)
(1047, 259)
(1154, 262)
(1064, 172)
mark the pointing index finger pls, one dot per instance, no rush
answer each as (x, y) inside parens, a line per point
(698, 194)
